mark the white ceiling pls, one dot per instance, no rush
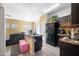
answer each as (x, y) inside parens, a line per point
(62, 6)
(28, 11)
(25, 10)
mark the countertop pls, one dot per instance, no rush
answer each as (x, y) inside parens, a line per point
(33, 35)
(71, 41)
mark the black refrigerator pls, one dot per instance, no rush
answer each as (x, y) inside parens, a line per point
(51, 33)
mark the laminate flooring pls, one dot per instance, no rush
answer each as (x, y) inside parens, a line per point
(47, 50)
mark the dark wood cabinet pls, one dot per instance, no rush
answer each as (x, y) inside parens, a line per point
(68, 49)
(65, 20)
(75, 13)
(38, 42)
(73, 18)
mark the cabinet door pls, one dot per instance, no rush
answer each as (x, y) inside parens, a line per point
(65, 20)
(38, 43)
(75, 13)
(68, 19)
(68, 49)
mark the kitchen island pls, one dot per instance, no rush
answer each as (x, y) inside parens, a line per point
(35, 43)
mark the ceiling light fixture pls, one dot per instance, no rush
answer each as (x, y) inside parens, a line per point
(34, 8)
(53, 7)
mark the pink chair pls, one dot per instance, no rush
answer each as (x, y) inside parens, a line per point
(23, 46)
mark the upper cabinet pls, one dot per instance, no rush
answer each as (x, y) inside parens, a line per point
(66, 20)
(75, 13)
(72, 19)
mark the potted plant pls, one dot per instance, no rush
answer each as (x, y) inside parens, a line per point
(53, 19)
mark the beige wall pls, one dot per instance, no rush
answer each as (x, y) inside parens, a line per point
(33, 26)
(20, 26)
(43, 26)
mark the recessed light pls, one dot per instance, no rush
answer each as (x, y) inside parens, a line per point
(34, 8)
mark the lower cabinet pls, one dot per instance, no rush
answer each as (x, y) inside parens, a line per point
(67, 49)
(38, 43)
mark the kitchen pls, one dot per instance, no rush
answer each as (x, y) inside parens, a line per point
(49, 42)
(67, 22)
